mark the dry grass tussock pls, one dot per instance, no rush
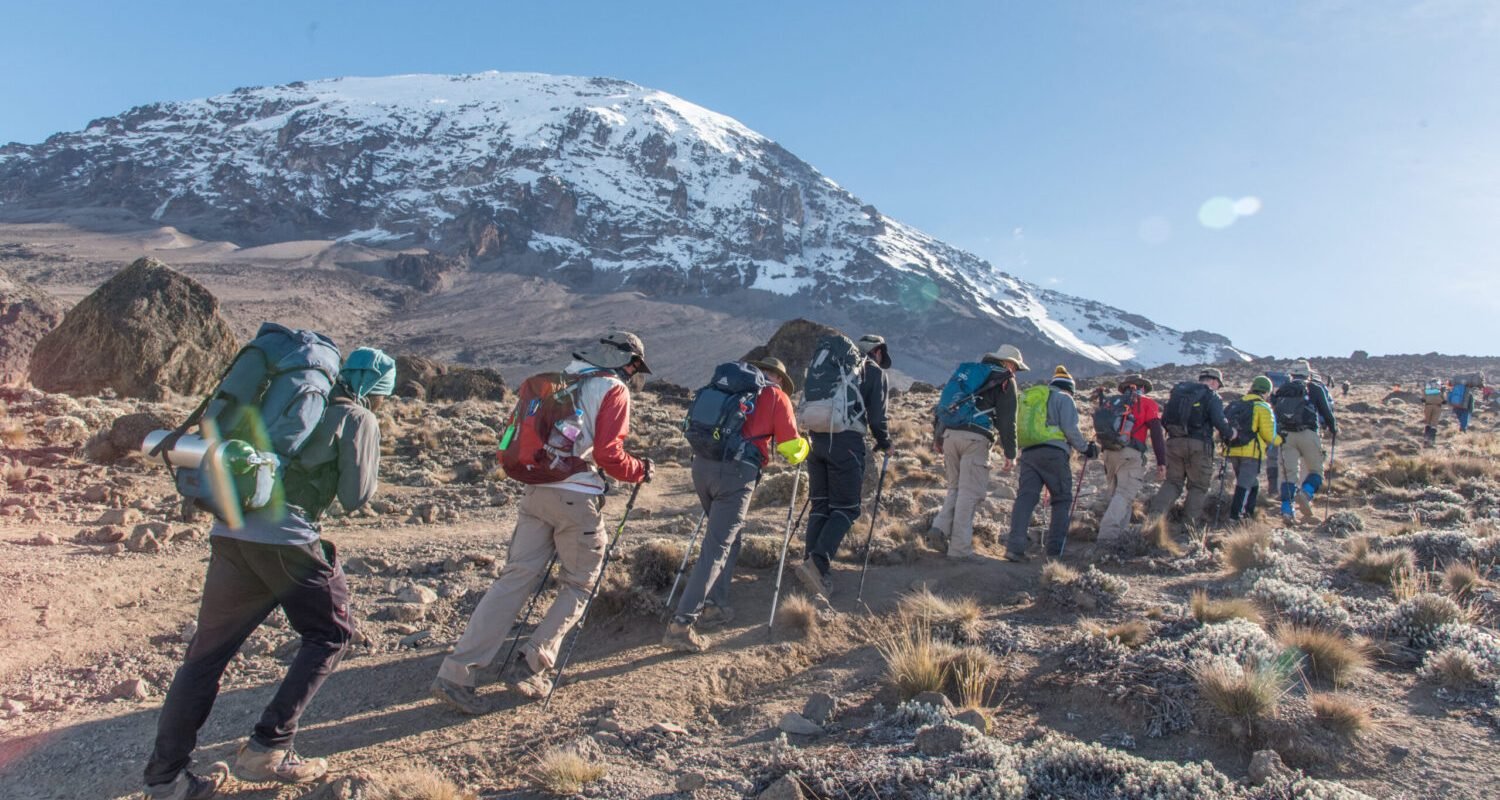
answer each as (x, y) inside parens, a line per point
(1409, 583)
(956, 620)
(1341, 714)
(1378, 566)
(564, 772)
(14, 474)
(975, 674)
(1331, 657)
(1131, 633)
(797, 614)
(914, 662)
(1247, 549)
(1454, 668)
(1209, 611)
(12, 433)
(1429, 469)
(1056, 573)
(1241, 693)
(760, 552)
(654, 564)
(1157, 531)
(414, 784)
(1461, 580)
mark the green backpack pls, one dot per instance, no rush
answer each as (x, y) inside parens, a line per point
(1031, 419)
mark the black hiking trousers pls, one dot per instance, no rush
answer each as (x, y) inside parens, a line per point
(246, 581)
(835, 476)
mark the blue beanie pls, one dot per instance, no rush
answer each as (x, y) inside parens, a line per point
(368, 371)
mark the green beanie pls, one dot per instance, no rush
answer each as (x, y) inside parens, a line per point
(1261, 385)
(369, 371)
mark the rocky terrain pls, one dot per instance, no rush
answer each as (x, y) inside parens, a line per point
(1348, 657)
(439, 184)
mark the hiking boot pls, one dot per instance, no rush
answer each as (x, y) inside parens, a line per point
(525, 681)
(258, 764)
(714, 616)
(1014, 557)
(187, 786)
(936, 539)
(1304, 504)
(459, 697)
(812, 581)
(680, 636)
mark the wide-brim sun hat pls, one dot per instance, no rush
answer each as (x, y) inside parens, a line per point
(1301, 369)
(1211, 372)
(772, 366)
(614, 350)
(869, 343)
(1139, 381)
(1011, 353)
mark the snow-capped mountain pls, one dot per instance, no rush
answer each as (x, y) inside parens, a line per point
(595, 182)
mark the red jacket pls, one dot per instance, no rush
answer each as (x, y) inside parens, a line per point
(773, 419)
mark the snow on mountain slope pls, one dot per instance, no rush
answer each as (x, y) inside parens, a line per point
(595, 182)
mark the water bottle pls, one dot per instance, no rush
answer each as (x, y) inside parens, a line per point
(564, 433)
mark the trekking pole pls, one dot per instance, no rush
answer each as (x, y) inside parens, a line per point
(1333, 452)
(530, 604)
(681, 568)
(1083, 472)
(1219, 504)
(786, 542)
(870, 537)
(593, 592)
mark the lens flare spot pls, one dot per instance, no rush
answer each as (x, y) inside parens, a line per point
(918, 294)
(1217, 213)
(1247, 206)
(1154, 230)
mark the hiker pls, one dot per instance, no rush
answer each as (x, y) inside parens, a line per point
(1463, 398)
(977, 405)
(1123, 425)
(1303, 408)
(843, 398)
(1193, 412)
(563, 426)
(1434, 398)
(1273, 453)
(277, 558)
(1254, 434)
(1046, 427)
(1344, 389)
(732, 425)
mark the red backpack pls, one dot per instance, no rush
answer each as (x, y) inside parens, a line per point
(544, 427)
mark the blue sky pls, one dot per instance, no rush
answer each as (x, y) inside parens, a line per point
(1071, 143)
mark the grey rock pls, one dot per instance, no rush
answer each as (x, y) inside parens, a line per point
(416, 593)
(942, 740)
(668, 728)
(794, 723)
(415, 639)
(784, 788)
(1265, 766)
(133, 689)
(691, 781)
(975, 719)
(820, 708)
(403, 612)
(934, 699)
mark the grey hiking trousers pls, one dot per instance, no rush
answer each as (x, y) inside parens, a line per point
(1043, 465)
(724, 488)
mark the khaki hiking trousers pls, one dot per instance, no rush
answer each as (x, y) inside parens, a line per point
(548, 521)
(1124, 475)
(966, 459)
(1190, 463)
(1301, 455)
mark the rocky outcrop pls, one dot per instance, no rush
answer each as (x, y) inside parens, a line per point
(793, 343)
(148, 332)
(425, 379)
(26, 315)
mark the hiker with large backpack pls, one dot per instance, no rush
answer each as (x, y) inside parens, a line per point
(1193, 412)
(318, 424)
(843, 399)
(1303, 408)
(977, 406)
(1463, 397)
(1434, 399)
(565, 434)
(1254, 426)
(732, 424)
(1124, 424)
(1047, 432)
(1273, 453)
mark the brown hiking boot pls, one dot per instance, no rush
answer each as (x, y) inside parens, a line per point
(257, 764)
(1304, 505)
(459, 697)
(187, 786)
(525, 681)
(714, 616)
(681, 636)
(812, 581)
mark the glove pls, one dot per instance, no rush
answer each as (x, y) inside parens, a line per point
(650, 470)
(937, 445)
(1008, 465)
(882, 447)
(794, 451)
(1092, 451)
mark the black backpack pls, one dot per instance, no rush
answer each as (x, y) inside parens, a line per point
(715, 423)
(1185, 413)
(1294, 407)
(1241, 415)
(1114, 422)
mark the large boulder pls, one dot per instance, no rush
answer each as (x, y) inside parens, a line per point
(147, 332)
(793, 343)
(26, 315)
(425, 379)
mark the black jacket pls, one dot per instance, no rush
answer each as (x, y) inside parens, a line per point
(873, 387)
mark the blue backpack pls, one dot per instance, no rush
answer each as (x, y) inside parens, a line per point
(1456, 395)
(956, 406)
(715, 423)
(271, 398)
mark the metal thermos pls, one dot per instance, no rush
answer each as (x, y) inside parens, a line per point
(189, 450)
